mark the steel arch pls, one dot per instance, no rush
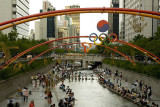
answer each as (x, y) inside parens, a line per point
(79, 10)
(22, 53)
(79, 43)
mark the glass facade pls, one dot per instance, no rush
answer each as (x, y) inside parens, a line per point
(50, 27)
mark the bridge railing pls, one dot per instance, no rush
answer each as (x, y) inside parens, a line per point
(79, 57)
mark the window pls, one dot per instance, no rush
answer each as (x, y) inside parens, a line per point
(13, 5)
(14, 12)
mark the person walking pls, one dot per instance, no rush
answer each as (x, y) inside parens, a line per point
(38, 83)
(31, 104)
(26, 94)
(23, 94)
(120, 75)
(50, 97)
(149, 91)
(140, 85)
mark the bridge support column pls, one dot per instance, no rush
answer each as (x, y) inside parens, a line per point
(85, 64)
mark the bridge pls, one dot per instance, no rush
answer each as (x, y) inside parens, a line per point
(83, 58)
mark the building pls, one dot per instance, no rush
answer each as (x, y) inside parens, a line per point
(11, 9)
(66, 29)
(32, 35)
(37, 30)
(122, 21)
(63, 29)
(47, 25)
(75, 21)
(113, 19)
(135, 25)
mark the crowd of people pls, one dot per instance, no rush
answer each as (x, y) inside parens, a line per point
(69, 100)
(47, 81)
(139, 93)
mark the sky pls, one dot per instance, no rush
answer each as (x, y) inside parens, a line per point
(88, 21)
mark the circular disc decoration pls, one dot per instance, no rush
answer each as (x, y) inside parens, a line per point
(102, 26)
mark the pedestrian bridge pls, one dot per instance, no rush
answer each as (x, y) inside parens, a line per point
(83, 58)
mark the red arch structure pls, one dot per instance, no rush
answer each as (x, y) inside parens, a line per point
(22, 53)
(24, 19)
(79, 43)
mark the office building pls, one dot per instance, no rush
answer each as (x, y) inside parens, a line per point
(47, 25)
(75, 20)
(122, 21)
(37, 30)
(11, 9)
(113, 19)
(32, 35)
(135, 25)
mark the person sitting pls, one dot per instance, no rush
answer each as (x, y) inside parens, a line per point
(17, 104)
(62, 86)
(68, 90)
(61, 104)
(53, 105)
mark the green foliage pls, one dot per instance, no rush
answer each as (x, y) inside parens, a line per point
(94, 51)
(13, 35)
(150, 70)
(23, 44)
(37, 64)
(58, 50)
(3, 37)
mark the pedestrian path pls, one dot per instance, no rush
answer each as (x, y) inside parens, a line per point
(38, 94)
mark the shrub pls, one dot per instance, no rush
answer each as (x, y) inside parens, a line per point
(150, 70)
(37, 64)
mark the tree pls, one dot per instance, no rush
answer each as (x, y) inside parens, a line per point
(3, 37)
(138, 37)
(13, 35)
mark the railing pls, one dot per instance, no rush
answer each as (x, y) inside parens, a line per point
(79, 57)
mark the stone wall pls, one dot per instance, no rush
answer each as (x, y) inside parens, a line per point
(132, 76)
(9, 87)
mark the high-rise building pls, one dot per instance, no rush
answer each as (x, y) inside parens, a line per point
(135, 25)
(64, 28)
(37, 30)
(122, 21)
(32, 35)
(113, 19)
(47, 25)
(75, 20)
(11, 9)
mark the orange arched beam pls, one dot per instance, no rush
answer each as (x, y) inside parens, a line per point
(142, 50)
(24, 19)
(19, 55)
(87, 43)
(99, 9)
(22, 53)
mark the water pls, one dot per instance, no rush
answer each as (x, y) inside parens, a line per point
(90, 93)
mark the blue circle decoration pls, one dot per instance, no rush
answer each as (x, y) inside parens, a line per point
(91, 35)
